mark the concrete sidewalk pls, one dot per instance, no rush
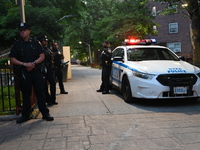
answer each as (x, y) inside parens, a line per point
(87, 120)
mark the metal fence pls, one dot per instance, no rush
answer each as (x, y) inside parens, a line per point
(7, 89)
(10, 94)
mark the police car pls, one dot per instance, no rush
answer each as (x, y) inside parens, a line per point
(142, 70)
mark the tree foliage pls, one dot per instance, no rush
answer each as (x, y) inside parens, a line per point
(113, 20)
(42, 15)
(71, 21)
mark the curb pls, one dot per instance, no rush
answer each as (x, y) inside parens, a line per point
(9, 117)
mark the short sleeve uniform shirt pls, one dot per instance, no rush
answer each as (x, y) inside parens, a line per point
(26, 51)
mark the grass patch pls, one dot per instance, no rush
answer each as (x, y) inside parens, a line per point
(7, 100)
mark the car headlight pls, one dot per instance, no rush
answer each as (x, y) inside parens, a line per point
(143, 75)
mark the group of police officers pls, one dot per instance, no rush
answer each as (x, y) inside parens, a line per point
(37, 65)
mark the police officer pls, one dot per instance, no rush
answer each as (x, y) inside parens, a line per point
(106, 64)
(58, 57)
(28, 54)
(49, 74)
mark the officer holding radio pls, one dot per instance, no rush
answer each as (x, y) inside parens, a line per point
(106, 64)
(27, 54)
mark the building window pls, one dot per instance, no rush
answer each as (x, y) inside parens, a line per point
(153, 11)
(173, 27)
(175, 47)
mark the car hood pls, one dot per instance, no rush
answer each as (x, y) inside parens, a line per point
(163, 67)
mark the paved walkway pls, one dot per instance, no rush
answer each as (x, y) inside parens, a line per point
(83, 121)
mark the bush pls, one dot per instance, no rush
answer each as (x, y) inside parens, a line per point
(3, 61)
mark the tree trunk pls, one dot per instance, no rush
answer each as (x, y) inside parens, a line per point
(194, 11)
(196, 44)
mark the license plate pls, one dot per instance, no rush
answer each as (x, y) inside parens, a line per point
(180, 90)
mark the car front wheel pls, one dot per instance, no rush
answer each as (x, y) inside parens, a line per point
(126, 90)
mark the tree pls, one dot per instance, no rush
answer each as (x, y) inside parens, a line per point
(114, 20)
(131, 19)
(8, 15)
(42, 15)
(92, 21)
(193, 12)
(110, 20)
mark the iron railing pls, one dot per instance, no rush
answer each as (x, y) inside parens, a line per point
(7, 89)
(10, 94)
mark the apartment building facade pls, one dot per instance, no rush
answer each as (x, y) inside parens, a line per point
(173, 29)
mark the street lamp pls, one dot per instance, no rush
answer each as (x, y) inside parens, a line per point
(89, 50)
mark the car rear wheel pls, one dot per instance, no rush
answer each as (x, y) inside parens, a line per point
(126, 90)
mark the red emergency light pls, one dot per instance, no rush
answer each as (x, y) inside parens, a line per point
(139, 41)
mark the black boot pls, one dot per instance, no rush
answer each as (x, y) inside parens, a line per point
(100, 90)
(54, 103)
(48, 117)
(63, 92)
(105, 92)
(22, 119)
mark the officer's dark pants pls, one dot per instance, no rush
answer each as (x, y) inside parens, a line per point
(35, 79)
(49, 76)
(105, 79)
(59, 77)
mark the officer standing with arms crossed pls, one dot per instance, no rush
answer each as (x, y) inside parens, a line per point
(28, 53)
(58, 57)
(106, 64)
(49, 74)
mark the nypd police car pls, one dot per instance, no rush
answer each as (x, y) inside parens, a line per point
(142, 70)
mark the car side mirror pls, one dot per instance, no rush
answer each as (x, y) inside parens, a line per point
(117, 58)
(182, 58)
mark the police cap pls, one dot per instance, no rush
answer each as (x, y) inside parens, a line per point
(43, 38)
(24, 26)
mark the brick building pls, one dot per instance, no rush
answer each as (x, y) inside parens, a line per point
(173, 29)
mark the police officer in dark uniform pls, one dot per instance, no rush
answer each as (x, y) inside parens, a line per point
(49, 74)
(28, 54)
(58, 65)
(106, 64)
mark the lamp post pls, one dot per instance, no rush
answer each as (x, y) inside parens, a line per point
(89, 50)
(22, 10)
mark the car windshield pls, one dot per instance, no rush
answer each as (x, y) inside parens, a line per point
(140, 54)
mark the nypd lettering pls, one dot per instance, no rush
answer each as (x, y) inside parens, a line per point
(176, 70)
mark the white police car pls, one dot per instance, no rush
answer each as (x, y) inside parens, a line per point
(141, 70)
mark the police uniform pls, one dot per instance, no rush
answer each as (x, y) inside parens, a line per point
(49, 74)
(58, 57)
(29, 51)
(106, 64)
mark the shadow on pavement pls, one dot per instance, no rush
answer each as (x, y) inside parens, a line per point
(164, 105)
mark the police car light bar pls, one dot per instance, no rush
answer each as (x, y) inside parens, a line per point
(139, 42)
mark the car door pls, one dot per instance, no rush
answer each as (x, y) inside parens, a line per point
(117, 57)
